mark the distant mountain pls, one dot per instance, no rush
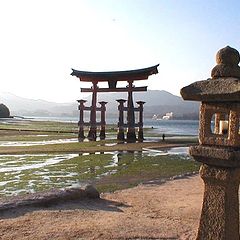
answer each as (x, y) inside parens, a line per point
(157, 102)
(30, 107)
(151, 97)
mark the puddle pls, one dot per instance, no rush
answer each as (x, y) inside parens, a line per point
(110, 144)
(33, 143)
(171, 151)
(178, 150)
(12, 165)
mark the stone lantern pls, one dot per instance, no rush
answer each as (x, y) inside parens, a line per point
(219, 146)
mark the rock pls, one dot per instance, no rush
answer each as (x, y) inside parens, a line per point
(48, 198)
(91, 192)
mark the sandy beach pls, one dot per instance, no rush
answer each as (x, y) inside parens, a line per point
(167, 211)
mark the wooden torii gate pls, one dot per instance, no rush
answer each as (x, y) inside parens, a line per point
(112, 78)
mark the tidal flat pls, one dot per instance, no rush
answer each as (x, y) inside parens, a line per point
(40, 155)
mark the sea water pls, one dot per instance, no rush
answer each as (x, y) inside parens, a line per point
(177, 127)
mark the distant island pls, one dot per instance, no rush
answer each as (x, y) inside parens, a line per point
(4, 111)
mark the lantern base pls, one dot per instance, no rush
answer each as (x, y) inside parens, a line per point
(216, 156)
(220, 210)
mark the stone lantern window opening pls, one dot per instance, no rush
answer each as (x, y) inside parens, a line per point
(220, 123)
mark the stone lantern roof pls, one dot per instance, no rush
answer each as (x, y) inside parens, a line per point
(224, 86)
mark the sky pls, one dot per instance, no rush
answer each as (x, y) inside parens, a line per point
(41, 40)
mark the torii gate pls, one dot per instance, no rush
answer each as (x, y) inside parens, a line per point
(112, 78)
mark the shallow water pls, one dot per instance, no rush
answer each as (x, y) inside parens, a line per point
(37, 172)
(171, 151)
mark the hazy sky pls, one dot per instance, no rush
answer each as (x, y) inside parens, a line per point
(41, 40)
